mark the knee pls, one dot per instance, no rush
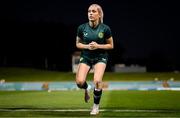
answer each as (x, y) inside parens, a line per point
(98, 84)
(80, 83)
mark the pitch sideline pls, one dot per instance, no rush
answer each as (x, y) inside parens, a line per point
(84, 110)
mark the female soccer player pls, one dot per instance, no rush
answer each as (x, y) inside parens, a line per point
(93, 38)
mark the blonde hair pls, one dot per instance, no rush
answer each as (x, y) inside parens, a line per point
(99, 8)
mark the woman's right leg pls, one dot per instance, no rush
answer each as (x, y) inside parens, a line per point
(81, 75)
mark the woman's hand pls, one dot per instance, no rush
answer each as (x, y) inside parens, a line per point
(93, 45)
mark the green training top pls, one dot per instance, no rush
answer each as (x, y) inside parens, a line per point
(99, 34)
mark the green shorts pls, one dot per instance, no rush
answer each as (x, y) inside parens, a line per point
(92, 61)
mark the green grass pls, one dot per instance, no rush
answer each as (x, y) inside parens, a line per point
(74, 99)
(122, 100)
(167, 102)
(28, 74)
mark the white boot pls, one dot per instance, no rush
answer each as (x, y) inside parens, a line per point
(95, 109)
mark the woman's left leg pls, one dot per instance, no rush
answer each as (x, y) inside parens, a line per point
(99, 70)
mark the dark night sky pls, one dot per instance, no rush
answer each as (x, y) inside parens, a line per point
(142, 30)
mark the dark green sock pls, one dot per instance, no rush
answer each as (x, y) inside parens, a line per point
(97, 95)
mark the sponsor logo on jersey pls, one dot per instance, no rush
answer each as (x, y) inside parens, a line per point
(101, 35)
(85, 34)
(81, 59)
(103, 59)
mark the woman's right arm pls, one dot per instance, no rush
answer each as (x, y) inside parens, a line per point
(81, 45)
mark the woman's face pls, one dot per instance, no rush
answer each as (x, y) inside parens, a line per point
(93, 14)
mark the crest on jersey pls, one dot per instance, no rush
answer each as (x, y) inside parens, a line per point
(101, 35)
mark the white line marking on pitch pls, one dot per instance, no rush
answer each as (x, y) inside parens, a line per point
(82, 110)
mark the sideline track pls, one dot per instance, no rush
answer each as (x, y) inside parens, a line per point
(52, 86)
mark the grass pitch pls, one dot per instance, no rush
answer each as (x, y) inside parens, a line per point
(14, 74)
(71, 104)
(68, 104)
